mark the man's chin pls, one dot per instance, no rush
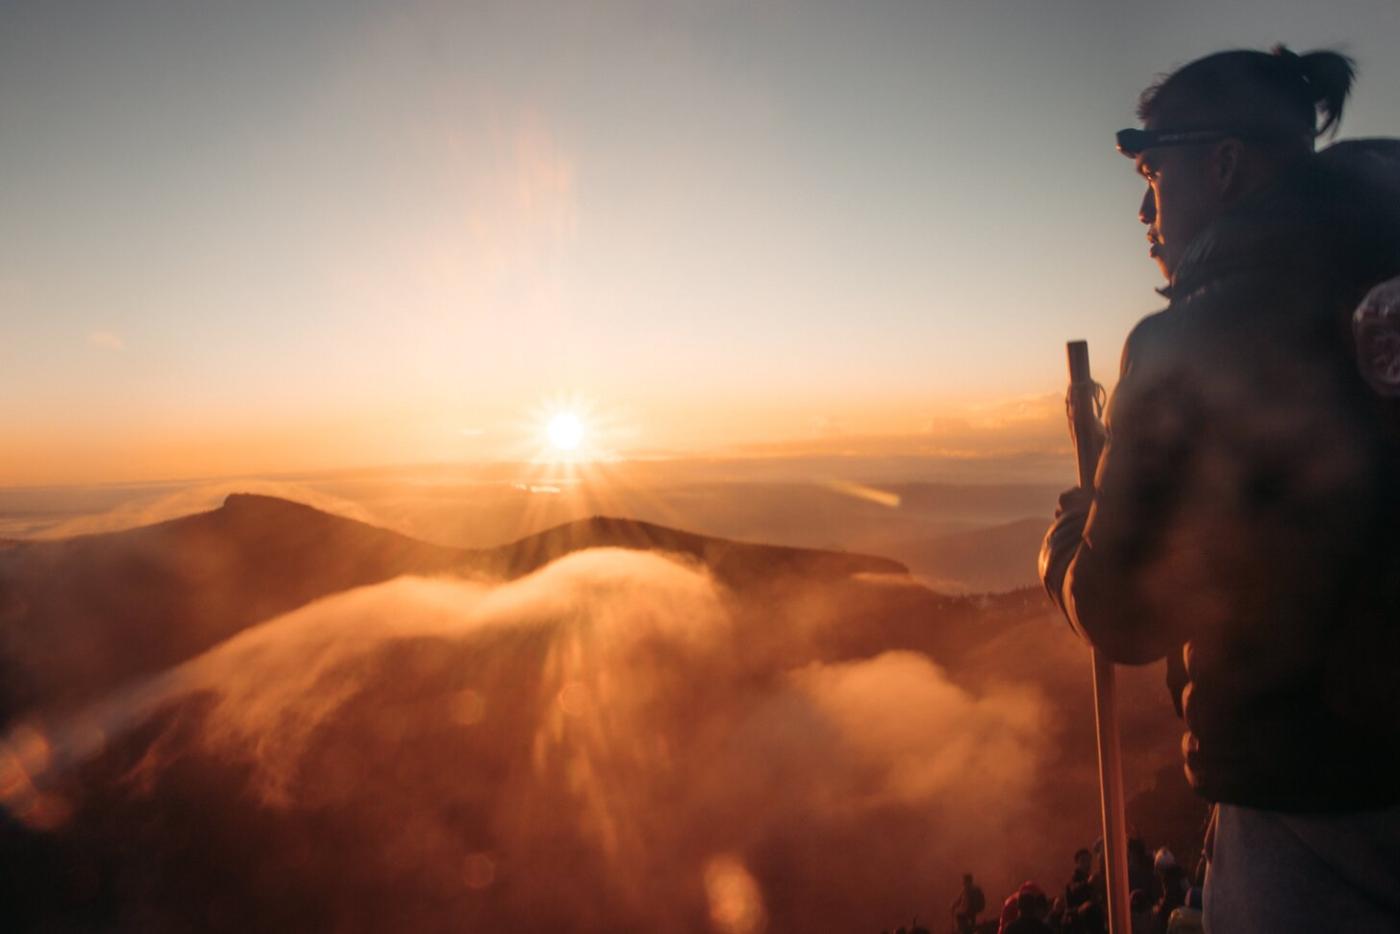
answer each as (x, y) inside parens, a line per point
(1162, 264)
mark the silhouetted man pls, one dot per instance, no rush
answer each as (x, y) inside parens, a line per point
(1172, 884)
(968, 905)
(1079, 889)
(1245, 517)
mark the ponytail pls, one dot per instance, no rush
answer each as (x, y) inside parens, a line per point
(1328, 76)
(1294, 93)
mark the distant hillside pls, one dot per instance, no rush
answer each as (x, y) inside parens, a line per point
(79, 616)
(82, 614)
(983, 560)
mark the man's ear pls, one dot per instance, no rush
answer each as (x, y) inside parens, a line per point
(1226, 165)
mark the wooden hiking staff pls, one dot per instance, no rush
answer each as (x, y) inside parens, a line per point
(1086, 432)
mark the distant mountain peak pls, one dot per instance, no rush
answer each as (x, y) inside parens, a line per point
(261, 502)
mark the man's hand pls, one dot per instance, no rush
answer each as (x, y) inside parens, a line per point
(1063, 539)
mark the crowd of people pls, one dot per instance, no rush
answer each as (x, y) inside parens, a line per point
(1165, 899)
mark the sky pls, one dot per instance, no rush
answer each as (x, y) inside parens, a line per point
(244, 236)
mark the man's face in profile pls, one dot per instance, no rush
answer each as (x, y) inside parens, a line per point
(1179, 202)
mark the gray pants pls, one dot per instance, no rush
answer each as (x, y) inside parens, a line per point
(1275, 873)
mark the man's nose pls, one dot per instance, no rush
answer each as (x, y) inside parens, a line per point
(1147, 211)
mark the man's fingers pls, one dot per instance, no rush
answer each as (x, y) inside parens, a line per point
(1077, 499)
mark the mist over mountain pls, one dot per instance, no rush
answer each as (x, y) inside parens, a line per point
(82, 615)
(268, 717)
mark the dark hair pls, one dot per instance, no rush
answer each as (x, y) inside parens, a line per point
(1082, 851)
(1277, 91)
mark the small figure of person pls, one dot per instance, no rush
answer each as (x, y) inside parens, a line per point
(968, 905)
(1011, 908)
(1031, 908)
(1080, 889)
(1171, 884)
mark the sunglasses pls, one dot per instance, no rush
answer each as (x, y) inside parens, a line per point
(1132, 143)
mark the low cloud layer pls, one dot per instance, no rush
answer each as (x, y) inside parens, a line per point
(607, 744)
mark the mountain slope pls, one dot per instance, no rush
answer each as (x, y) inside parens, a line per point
(80, 616)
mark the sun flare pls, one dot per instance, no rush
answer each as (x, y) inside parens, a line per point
(565, 432)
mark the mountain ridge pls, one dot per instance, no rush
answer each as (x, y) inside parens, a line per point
(83, 614)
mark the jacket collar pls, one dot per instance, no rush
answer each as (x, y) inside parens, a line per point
(1264, 228)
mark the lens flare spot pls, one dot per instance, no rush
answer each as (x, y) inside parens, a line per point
(479, 871)
(45, 812)
(574, 698)
(14, 780)
(468, 707)
(860, 491)
(736, 904)
(31, 748)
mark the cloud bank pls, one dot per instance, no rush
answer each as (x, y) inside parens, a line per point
(605, 744)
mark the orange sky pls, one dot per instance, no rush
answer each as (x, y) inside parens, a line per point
(257, 444)
(251, 239)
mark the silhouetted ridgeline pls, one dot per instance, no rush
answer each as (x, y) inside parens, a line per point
(80, 616)
(737, 564)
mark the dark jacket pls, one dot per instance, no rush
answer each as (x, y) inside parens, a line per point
(1247, 504)
(1025, 925)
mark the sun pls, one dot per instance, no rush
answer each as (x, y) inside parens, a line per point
(565, 432)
